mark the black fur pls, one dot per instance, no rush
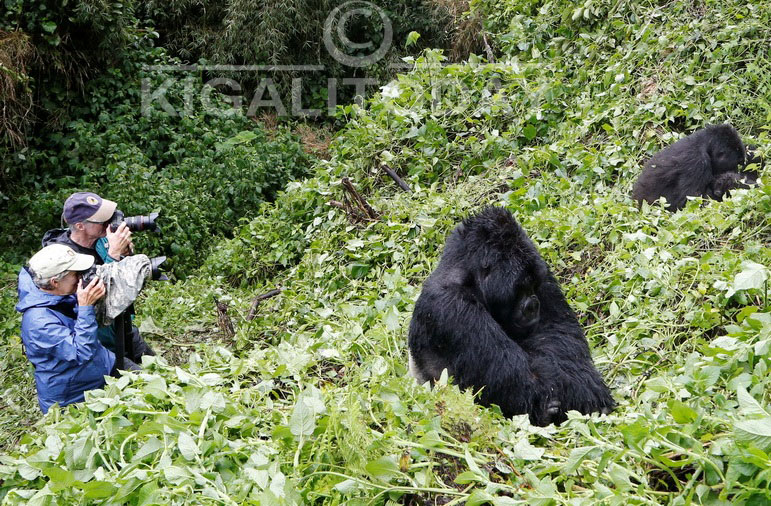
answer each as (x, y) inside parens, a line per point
(494, 315)
(689, 166)
(722, 185)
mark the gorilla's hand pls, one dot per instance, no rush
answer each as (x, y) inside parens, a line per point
(547, 411)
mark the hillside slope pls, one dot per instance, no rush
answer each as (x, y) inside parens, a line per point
(310, 401)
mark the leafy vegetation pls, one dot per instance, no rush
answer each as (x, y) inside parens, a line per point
(204, 171)
(310, 402)
(48, 51)
(294, 33)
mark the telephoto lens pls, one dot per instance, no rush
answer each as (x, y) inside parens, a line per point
(155, 265)
(135, 223)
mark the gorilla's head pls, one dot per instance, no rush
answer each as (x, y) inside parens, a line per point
(725, 149)
(501, 266)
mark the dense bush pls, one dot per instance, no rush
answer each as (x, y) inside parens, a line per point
(203, 171)
(291, 32)
(48, 51)
(309, 403)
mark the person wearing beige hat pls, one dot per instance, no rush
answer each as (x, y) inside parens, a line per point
(58, 326)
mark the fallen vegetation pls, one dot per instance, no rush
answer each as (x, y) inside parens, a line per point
(309, 401)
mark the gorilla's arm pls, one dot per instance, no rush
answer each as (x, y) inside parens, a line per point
(560, 357)
(451, 329)
(692, 173)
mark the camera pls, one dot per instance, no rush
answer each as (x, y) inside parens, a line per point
(155, 271)
(134, 223)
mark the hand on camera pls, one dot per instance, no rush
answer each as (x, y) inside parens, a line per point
(119, 242)
(88, 295)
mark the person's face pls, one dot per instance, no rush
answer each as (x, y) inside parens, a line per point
(67, 285)
(94, 231)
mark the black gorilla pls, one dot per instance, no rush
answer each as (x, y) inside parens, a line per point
(494, 315)
(689, 166)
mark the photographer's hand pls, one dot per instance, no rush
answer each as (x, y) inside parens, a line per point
(88, 295)
(119, 242)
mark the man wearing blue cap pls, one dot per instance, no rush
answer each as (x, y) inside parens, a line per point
(59, 329)
(88, 218)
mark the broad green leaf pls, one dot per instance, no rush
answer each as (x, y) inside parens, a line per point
(749, 405)
(473, 467)
(756, 432)
(432, 439)
(151, 446)
(384, 468)
(347, 486)
(214, 401)
(97, 489)
(526, 451)
(302, 422)
(504, 501)
(752, 276)
(54, 445)
(28, 472)
(148, 326)
(467, 477)
(577, 455)
(635, 433)
(681, 412)
(60, 479)
(391, 318)
(412, 38)
(187, 446)
(176, 475)
(359, 270)
(156, 387)
(478, 497)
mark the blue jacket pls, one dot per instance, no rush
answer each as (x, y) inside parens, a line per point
(61, 342)
(99, 253)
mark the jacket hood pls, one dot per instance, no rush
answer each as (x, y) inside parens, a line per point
(32, 296)
(56, 235)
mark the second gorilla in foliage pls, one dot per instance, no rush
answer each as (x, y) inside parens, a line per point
(703, 164)
(494, 316)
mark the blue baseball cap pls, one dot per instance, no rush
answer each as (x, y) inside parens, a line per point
(87, 206)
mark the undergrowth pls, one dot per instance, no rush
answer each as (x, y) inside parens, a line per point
(310, 402)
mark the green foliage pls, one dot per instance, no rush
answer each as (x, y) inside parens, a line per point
(291, 32)
(203, 171)
(310, 401)
(274, 240)
(81, 25)
(48, 51)
(18, 401)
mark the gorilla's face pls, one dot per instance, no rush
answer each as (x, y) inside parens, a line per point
(726, 159)
(527, 310)
(501, 265)
(510, 297)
